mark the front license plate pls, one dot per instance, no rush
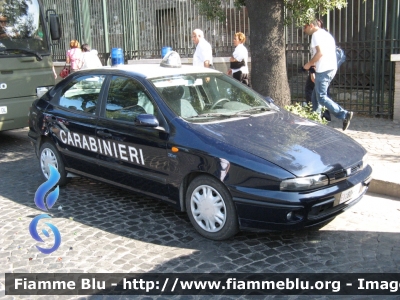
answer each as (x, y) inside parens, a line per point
(350, 194)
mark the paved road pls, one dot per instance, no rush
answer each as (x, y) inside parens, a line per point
(105, 229)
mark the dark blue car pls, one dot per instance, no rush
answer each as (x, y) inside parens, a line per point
(201, 141)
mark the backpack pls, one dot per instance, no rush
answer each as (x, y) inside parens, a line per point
(340, 56)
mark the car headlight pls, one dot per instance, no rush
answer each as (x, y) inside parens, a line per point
(304, 183)
(41, 90)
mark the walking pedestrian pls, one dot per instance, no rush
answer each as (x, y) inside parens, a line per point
(309, 87)
(54, 72)
(74, 56)
(90, 58)
(202, 57)
(239, 60)
(323, 50)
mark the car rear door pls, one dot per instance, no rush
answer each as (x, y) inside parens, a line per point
(132, 156)
(72, 117)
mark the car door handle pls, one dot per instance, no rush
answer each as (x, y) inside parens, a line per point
(53, 119)
(104, 134)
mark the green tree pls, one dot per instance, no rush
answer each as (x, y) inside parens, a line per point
(267, 22)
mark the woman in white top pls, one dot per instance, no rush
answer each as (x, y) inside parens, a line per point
(239, 67)
(89, 58)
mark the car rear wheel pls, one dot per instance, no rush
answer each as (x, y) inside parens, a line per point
(210, 209)
(49, 155)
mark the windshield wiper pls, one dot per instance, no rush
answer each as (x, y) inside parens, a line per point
(211, 115)
(255, 108)
(242, 113)
(38, 56)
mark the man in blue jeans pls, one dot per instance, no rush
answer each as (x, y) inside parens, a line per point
(323, 52)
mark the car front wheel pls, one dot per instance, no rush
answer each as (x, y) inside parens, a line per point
(210, 208)
(49, 155)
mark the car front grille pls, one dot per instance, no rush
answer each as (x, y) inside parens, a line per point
(344, 173)
(356, 168)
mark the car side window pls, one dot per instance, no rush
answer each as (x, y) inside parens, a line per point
(126, 99)
(82, 94)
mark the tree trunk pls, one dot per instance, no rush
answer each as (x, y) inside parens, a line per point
(267, 46)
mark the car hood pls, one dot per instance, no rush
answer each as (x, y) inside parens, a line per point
(298, 145)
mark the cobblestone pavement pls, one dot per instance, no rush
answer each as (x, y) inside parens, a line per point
(105, 229)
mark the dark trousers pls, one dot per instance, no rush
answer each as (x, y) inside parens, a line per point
(309, 88)
(243, 78)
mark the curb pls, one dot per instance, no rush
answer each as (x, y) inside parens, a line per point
(386, 188)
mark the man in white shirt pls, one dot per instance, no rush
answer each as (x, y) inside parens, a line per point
(323, 49)
(90, 58)
(202, 57)
(239, 65)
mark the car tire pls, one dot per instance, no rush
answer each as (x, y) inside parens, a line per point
(210, 209)
(48, 154)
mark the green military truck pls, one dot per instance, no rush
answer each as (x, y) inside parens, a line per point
(26, 67)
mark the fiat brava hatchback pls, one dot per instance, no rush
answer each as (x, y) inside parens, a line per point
(201, 141)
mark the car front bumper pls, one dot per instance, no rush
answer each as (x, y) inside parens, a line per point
(278, 210)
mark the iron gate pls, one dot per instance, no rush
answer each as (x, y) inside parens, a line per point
(143, 27)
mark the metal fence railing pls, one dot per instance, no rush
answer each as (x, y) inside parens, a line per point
(143, 27)
(368, 31)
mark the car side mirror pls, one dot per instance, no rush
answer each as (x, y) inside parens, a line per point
(146, 120)
(271, 102)
(54, 24)
(269, 99)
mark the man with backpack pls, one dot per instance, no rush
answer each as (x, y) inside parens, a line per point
(323, 49)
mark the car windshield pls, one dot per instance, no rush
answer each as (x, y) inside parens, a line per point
(21, 28)
(204, 97)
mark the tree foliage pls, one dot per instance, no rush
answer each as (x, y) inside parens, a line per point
(301, 11)
(213, 9)
(304, 11)
(306, 112)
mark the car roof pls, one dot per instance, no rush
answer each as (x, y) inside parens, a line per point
(155, 70)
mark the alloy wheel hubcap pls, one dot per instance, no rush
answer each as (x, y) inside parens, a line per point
(208, 208)
(46, 158)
